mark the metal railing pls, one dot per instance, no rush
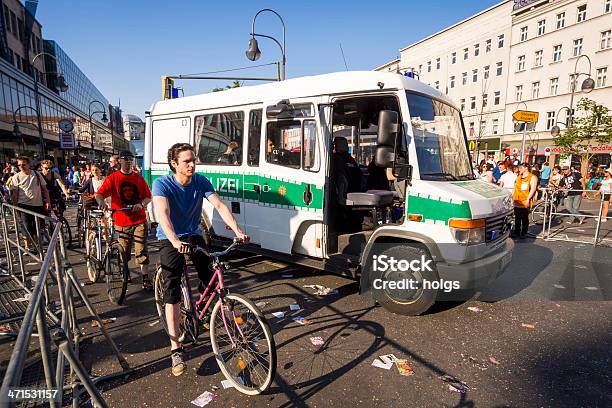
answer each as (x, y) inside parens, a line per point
(563, 234)
(59, 328)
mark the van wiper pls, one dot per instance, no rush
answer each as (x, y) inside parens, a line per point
(447, 176)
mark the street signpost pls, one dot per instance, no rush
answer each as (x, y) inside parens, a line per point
(67, 141)
(526, 117)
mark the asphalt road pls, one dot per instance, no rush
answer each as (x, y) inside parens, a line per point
(560, 290)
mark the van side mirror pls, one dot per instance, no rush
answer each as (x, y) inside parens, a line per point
(388, 129)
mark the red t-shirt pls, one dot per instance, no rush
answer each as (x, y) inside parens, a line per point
(126, 190)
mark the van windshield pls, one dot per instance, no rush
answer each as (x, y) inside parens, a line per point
(439, 140)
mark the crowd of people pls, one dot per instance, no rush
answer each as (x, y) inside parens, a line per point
(526, 181)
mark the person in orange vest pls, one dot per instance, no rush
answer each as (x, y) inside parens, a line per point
(525, 190)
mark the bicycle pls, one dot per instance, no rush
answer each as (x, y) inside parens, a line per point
(551, 202)
(241, 345)
(113, 261)
(65, 227)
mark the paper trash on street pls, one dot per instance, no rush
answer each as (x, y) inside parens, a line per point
(204, 399)
(278, 315)
(317, 341)
(301, 320)
(322, 290)
(294, 306)
(380, 364)
(389, 358)
(403, 367)
(474, 309)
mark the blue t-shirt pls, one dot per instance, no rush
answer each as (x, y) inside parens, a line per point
(184, 202)
(545, 173)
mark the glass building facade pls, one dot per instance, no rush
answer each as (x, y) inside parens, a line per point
(18, 104)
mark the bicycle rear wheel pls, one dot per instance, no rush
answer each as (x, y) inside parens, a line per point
(66, 232)
(249, 361)
(116, 274)
(80, 230)
(93, 269)
(188, 322)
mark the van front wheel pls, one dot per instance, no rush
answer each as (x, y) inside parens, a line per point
(402, 290)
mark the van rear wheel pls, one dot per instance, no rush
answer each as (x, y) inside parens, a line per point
(409, 301)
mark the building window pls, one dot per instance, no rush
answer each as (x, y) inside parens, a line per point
(577, 50)
(476, 49)
(486, 72)
(495, 126)
(488, 44)
(497, 97)
(523, 33)
(7, 19)
(462, 105)
(466, 52)
(541, 27)
(437, 85)
(453, 57)
(560, 20)
(550, 120)
(554, 86)
(499, 68)
(474, 75)
(557, 53)
(452, 81)
(485, 100)
(535, 90)
(519, 93)
(428, 66)
(500, 41)
(581, 16)
(608, 6)
(605, 39)
(20, 31)
(464, 78)
(537, 60)
(472, 102)
(14, 23)
(483, 126)
(521, 63)
(601, 77)
(437, 63)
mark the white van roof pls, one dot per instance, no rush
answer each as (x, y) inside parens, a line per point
(326, 84)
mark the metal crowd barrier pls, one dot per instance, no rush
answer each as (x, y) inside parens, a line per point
(59, 329)
(557, 234)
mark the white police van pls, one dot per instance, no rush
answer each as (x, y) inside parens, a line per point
(302, 165)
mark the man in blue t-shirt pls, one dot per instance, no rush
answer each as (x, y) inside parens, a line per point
(177, 200)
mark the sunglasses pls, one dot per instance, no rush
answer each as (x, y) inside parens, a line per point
(127, 158)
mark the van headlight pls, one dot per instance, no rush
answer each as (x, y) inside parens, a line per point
(468, 232)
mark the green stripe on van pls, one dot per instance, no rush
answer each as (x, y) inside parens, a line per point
(433, 209)
(274, 191)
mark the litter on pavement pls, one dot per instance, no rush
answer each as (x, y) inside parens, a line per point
(228, 384)
(294, 306)
(493, 360)
(261, 304)
(403, 367)
(474, 309)
(317, 341)
(559, 286)
(591, 288)
(385, 362)
(528, 325)
(153, 323)
(322, 290)
(278, 315)
(94, 323)
(301, 320)
(25, 298)
(204, 399)
(454, 384)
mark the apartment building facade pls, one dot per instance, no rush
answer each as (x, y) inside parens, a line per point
(517, 55)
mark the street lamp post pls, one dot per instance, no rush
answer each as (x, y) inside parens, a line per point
(587, 86)
(253, 53)
(16, 130)
(61, 86)
(104, 119)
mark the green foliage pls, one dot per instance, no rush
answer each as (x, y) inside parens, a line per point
(591, 126)
(235, 84)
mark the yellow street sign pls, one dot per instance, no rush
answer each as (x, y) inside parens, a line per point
(525, 116)
(472, 145)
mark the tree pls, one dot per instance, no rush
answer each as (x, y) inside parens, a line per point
(235, 84)
(591, 126)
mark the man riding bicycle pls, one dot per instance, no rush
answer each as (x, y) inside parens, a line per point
(54, 185)
(177, 200)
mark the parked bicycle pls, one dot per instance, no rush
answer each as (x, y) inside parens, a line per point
(241, 339)
(65, 227)
(111, 260)
(550, 202)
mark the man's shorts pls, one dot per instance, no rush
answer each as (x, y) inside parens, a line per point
(138, 234)
(173, 264)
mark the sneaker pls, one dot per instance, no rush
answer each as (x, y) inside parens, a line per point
(178, 365)
(581, 220)
(604, 220)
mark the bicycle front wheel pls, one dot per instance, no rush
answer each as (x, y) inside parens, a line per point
(93, 269)
(243, 344)
(116, 274)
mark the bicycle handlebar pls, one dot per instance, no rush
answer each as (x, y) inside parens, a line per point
(198, 249)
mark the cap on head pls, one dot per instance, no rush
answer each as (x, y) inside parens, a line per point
(126, 153)
(565, 168)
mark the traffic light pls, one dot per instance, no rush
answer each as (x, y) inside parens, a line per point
(167, 87)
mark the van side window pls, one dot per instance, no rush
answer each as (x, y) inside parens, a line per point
(310, 151)
(165, 133)
(218, 138)
(254, 137)
(283, 143)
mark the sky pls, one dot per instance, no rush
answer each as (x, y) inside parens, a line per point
(125, 46)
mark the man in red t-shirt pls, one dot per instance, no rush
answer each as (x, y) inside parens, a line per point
(128, 189)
